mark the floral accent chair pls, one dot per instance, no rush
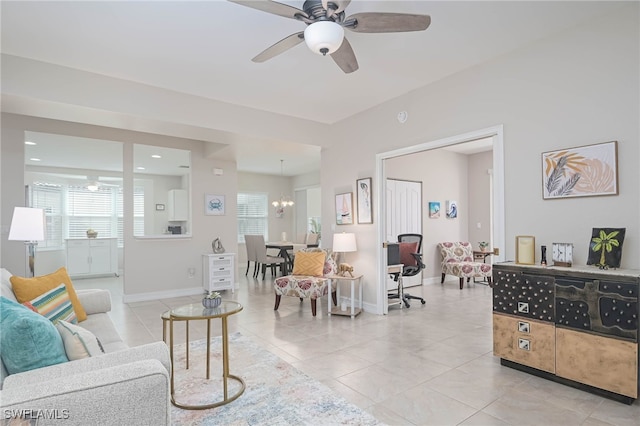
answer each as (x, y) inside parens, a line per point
(311, 269)
(457, 259)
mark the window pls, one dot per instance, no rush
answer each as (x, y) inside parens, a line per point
(71, 210)
(253, 215)
(49, 198)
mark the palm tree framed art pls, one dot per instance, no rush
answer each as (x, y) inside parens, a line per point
(584, 171)
(605, 247)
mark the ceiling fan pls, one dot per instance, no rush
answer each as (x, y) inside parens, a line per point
(94, 183)
(326, 22)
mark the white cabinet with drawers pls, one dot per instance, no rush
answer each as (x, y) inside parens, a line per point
(218, 271)
(92, 256)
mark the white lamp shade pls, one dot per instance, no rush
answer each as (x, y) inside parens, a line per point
(27, 224)
(344, 242)
(324, 35)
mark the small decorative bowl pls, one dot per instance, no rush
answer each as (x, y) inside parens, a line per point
(93, 234)
(211, 302)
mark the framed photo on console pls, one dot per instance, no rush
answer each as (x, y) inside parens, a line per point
(525, 249)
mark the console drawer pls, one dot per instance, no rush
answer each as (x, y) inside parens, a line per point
(525, 341)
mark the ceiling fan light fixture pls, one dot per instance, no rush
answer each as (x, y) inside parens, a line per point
(324, 37)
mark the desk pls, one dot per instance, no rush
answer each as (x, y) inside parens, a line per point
(397, 269)
(353, 311)
(196, 311)
(284, 247)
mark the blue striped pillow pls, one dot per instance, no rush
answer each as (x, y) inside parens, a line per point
(54, 305)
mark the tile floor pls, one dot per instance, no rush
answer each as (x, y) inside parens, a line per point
(427, 365)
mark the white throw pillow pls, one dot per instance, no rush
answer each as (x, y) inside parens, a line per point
(78, 342)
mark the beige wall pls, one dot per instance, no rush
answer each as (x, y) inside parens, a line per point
(578, 87)
(478, 201)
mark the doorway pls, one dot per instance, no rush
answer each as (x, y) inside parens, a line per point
(497, 189)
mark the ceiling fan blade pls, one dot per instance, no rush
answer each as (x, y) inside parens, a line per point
(345, 58)
(280, 47)
(381, 22)
(273, 7)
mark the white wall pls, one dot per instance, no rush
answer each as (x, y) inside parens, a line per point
(575, 88)
(152, 267)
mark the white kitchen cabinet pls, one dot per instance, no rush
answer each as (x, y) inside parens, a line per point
(218, 271)
(178, 205)
(92, 256)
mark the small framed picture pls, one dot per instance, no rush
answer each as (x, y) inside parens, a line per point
(434, 209)
(159, 207)
(344, 208)
(525, 249)
(214, 205)
(365, 206)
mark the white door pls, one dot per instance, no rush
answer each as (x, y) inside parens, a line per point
(403, 216)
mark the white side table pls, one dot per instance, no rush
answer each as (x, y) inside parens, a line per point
(349, 312)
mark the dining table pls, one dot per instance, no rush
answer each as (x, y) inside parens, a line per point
(284, 248)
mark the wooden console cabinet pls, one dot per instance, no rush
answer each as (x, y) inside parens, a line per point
(577, 326)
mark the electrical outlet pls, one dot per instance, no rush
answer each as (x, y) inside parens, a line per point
(191, 272)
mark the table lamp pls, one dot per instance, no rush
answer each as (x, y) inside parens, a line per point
(344, 242)
(27, 224)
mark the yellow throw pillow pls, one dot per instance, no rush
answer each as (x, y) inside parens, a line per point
(309, 263)
(26, 289)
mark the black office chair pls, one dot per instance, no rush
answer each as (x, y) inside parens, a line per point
(413, 264)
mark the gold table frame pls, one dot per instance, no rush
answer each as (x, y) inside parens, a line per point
(196, 311)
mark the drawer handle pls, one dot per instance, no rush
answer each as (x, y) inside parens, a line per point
(523, 307)
(524, 344)
(524, 327)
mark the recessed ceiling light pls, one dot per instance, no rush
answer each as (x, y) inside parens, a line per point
(35, 159)
(156, 156)
(140, 168)
(29, 143)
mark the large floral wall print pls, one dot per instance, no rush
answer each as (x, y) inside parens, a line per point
(580, 172)
(605, 247)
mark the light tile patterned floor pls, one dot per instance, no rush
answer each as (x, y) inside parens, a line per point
(427, 365)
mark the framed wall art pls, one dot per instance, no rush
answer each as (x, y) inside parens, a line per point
(605, 247)
(525, 249)
(452, 209)
(344, 208)
(365, 205)
(434, 209)
(214, 205)
(584, 171)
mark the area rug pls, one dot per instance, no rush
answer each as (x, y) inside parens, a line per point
(276, 393)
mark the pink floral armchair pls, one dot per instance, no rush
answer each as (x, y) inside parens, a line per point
(457, 259)
(308, 286)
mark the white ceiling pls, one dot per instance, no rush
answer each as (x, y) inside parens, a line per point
(205, 48)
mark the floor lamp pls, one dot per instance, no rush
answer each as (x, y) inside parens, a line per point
(28, 225)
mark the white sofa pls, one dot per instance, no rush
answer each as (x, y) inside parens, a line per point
(123, 386)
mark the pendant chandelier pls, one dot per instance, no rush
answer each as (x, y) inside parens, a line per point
(283, 201)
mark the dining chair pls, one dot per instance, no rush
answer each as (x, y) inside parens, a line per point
(252, 255)
(265, 260)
